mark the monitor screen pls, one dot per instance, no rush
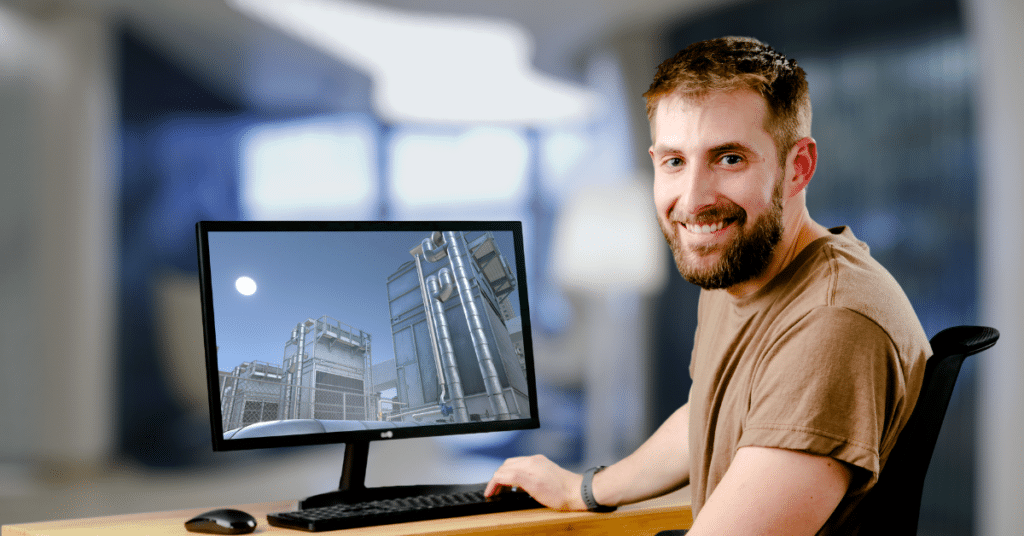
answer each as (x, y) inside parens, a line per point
(348, 332)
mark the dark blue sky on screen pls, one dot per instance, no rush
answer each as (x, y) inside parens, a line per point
(300, 275)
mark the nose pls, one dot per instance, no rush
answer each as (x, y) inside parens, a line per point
(695, 189)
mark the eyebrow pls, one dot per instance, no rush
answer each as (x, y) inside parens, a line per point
(663, 149)
(718, 149)
(730, 147)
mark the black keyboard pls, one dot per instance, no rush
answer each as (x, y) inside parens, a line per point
(401, 510)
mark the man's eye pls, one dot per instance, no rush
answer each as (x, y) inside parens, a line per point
(732, 159)
(674, 162)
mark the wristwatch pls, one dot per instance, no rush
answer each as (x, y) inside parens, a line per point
(587, 490)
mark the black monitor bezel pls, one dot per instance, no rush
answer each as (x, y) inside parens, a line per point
(203, 228)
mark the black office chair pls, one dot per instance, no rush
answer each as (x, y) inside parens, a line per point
(894, 504)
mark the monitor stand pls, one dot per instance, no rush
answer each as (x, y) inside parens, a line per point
(352, 487)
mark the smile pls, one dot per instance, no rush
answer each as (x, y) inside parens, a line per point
(707, 228)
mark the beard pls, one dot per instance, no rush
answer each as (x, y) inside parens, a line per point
(744, 258)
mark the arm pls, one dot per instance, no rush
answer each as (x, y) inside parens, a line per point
(768, 491)
(660, 465)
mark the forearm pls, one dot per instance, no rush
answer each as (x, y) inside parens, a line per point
(660, 465)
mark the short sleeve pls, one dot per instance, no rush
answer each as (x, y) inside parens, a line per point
(831, 385)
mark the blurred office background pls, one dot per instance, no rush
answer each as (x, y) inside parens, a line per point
(123, 122)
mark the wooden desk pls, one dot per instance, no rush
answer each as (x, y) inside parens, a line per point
(647, 518)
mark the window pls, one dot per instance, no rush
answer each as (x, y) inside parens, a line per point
(481, 172)
(316, 168)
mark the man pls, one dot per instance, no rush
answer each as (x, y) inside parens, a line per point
(808, 357)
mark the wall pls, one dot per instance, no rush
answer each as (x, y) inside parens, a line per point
(58, 236)
(994, 26)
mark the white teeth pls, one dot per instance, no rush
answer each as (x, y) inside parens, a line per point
(706, 229)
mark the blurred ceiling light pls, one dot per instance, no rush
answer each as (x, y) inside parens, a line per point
(431, 68)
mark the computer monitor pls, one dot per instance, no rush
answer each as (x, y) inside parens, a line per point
(351, 332)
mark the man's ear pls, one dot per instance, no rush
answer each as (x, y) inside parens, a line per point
(801, 162)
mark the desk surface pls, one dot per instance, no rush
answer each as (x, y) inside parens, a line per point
(669, 512)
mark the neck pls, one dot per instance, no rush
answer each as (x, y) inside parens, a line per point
(799, 231)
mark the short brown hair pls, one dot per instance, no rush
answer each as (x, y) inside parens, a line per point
(730, 63)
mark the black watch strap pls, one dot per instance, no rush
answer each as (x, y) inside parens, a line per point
(587, 490)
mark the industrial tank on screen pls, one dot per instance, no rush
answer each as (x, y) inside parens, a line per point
(457, 338)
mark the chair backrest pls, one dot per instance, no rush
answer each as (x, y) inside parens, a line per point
(894, 504)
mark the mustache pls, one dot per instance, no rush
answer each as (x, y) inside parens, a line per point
(710, 214)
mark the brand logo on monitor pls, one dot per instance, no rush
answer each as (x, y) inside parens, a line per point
(387, 435)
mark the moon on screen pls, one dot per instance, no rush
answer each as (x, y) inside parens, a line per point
(245, 285)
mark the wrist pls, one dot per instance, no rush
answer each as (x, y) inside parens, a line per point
(587, 492)
(604, 489)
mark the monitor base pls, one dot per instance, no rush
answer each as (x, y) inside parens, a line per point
(352, 487)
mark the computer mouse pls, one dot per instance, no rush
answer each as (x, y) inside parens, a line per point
(222, 521)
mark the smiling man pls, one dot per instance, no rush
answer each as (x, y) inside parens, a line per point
(808, 357)
(719, 189)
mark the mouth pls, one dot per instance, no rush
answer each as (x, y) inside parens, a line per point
(708, 228)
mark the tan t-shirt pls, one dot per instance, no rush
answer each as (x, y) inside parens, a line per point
(827, 358)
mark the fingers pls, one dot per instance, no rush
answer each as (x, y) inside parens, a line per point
(544, 480)
(508, 476)
(494, 487)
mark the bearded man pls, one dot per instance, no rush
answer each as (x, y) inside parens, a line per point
(808, 357)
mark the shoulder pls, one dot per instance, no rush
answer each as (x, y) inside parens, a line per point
(836, 297)
(840, 273)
